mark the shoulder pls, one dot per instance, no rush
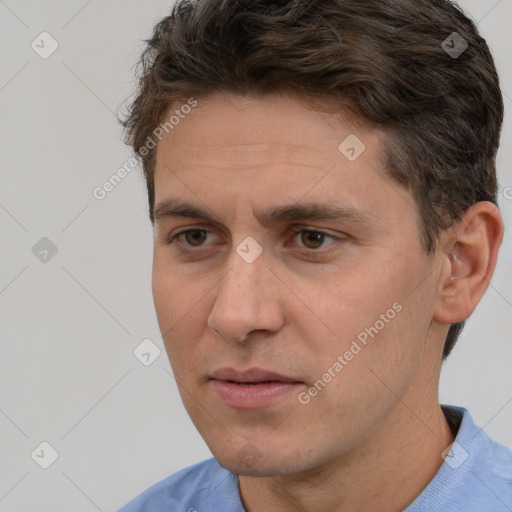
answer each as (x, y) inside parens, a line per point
(476, 474)
(187, 490)
(486, 458)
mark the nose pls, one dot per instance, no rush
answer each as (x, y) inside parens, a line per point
(247, 300)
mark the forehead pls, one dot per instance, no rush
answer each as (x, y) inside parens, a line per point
(231, 132)
(246, 152)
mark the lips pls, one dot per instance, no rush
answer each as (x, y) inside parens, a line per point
(252, 389)
(252, 376)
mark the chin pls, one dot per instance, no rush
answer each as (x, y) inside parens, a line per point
(250, 461)
(259, 469)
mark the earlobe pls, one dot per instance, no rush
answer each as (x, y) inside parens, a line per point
(469, 259)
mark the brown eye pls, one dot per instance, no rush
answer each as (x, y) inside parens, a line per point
(194, 237)
(312, 239)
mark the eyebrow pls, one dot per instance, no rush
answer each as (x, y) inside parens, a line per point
(172, 208)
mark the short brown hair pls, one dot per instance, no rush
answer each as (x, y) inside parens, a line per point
(387, 60)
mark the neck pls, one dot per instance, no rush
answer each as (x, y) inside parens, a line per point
(386, 472)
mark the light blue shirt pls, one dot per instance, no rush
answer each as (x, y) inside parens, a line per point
(476, 476)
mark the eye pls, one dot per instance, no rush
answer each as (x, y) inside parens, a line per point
(191, 237)
(313, 239)
(309, 238)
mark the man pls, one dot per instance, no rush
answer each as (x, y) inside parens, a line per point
(322, 184)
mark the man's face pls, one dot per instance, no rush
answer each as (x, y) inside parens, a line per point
(249, 292)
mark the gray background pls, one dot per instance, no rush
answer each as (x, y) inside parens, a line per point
(70, 324)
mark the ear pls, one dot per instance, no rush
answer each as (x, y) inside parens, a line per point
(468, 259)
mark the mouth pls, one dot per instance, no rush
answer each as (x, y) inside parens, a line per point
(252, 383)
(252, 376)
(253, 388)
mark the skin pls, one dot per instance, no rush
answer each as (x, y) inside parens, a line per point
(372, 438)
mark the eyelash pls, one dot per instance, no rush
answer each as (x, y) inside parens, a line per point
(295, 231)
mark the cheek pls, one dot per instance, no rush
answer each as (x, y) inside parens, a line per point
(164, 297)
(375, 314)
(181, 305)
(174, 293)
(393, 340)
(170, 297)
(371, 368)
(343, 304)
